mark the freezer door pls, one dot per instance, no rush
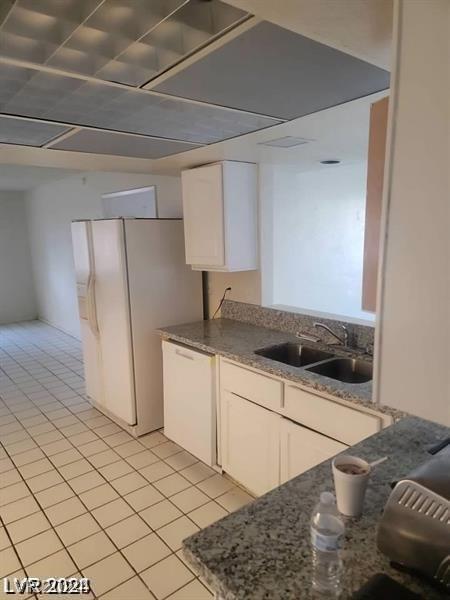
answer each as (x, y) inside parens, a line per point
(85, 282)
(113, 317)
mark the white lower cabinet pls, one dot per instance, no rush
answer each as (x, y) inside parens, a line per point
(250, 443)
(269, 430)
(189, 400)
(261, 449)
(301, 449)
(272, 430)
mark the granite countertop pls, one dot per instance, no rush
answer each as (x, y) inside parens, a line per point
(262, 551)
(238, 341)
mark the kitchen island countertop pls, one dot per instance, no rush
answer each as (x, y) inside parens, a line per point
(262, 551)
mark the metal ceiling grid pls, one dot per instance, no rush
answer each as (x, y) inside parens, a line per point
(83, 64)
(44, 95)
(128, 41)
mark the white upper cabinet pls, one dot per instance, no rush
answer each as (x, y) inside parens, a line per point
(203, 214)
(220, 216)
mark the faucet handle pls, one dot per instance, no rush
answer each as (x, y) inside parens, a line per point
(346, 334)
(307, 336)
(369, 349)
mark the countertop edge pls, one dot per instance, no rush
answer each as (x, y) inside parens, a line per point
(320, 387)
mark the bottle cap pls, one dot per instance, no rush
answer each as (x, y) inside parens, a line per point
(327, 498)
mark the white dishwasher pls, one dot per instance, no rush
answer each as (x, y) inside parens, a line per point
(189, 400)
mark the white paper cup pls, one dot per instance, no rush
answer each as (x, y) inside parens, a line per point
(350, 488)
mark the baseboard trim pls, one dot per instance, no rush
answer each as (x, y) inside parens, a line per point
(57, 327)
(17, 321)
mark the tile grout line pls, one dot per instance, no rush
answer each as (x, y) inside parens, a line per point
(134, 469)
(144, 448)
(23, 388)
(88, 511)
(106, 533)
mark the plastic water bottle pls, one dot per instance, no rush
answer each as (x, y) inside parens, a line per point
(327, 534)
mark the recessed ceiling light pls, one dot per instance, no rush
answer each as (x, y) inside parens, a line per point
(330, 161)
(289, 141)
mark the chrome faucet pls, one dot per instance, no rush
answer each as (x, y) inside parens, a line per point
(342, 340)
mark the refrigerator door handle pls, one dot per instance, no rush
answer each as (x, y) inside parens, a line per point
(91, 306)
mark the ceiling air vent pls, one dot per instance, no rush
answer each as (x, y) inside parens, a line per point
(288, 141)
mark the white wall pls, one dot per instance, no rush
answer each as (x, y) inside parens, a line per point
(51, 208)
(17, 299)
(413, 343)
(245, 287)
(317, 239)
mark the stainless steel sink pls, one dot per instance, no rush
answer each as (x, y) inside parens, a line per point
(347, 370)
(295, 355)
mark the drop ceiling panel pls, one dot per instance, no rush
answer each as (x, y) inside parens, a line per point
(28, 133)
(128, 41)
(44, 95)
(114, 27)
(104, 142)
(5, 7)
(273, 71)
(34, 29)
(192, 26)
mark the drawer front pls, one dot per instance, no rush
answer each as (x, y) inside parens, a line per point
(258, 388)
(331, 418)
(183, 352)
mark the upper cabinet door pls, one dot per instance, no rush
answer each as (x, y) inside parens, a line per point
(203, 213)
(375, 180)
(220, 224)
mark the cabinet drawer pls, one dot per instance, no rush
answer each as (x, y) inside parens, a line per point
(258, 388)
(179, 351)
(331, 418)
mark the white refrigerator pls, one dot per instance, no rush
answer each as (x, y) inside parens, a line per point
(131, 278)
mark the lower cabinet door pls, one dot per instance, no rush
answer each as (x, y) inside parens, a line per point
(250, 443)
(301, 449)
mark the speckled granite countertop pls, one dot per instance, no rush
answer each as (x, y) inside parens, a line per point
(238, 341)
(262, 551)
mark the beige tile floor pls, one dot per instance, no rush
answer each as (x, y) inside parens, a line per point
(79, 496)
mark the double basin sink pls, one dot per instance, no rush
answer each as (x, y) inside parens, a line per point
(347, 370)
